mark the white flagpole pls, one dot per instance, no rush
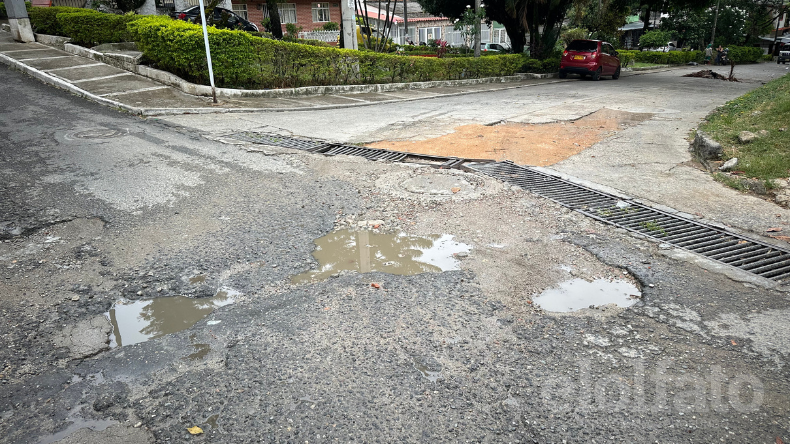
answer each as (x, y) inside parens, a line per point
(208, 51)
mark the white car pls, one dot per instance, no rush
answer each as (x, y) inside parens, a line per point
(495, 47)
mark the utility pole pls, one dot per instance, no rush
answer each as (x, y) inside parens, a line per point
(779, 15)
(406, 21)
(21, 30)
(715, 21)
(349, 24)
(477, 29)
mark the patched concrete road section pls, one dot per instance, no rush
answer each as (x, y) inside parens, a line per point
(101, 208)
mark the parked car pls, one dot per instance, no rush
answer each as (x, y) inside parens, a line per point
(234, 20)
(784, 54)
(590, 58)
(494, 47)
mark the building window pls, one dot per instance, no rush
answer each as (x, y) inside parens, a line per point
(287, 12)
(320, 12)
(429, 34)
(241, 10)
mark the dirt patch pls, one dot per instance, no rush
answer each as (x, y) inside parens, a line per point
(526, 144)
(709, 74)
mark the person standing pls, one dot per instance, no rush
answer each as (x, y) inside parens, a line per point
(708, 54)
(719, 52)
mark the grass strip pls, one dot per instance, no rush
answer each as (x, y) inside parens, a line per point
(766, 108)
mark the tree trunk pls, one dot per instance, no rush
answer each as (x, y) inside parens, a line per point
(275, 26)
(646, 20)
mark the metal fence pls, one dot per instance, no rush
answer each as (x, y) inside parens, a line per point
(324, 36)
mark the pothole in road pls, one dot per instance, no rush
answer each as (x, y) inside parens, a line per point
(138, 321)
(577, 294)
(364, 251)
(525, 144)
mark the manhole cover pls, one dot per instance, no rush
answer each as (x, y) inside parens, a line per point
(432, 184)
(437, 185)
(99, 133)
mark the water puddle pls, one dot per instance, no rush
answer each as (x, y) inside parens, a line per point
(212, 421)
(138, 321)
(576, 294)
(77, 423)
(429, 369)
(201, 350)
(365, 251)
(199, 279)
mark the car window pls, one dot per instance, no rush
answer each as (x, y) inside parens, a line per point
(583, 45)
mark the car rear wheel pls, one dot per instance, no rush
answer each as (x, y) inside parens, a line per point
(616, 74)
(597, 74)
(563, 75)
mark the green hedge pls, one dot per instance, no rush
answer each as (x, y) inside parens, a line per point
(243, 60)
(745, 54)
(45, 21)
(661, 58)
(740, 54)
(538, 66)
(94, 28)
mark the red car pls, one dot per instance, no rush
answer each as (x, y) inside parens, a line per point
(590, 58)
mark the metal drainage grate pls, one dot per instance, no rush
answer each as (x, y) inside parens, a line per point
(334, 149)
(277, 140)
(748, 254)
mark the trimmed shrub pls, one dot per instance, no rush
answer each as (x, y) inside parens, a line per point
(44, 20)
(660, 58)
(745, 54)
(243, 60)
(538, 66)
(94, 28)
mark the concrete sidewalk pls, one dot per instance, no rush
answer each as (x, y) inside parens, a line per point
(137, 94)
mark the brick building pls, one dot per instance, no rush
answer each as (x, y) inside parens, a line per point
(307, 14)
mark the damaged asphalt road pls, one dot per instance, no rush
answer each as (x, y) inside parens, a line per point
(100, 207)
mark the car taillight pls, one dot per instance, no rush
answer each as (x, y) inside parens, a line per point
(564, 53)
(593, 55)
(182, 16)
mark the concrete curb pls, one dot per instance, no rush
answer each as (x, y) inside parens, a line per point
(62, 84)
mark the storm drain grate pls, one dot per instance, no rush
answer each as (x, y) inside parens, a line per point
(334, 149)
(277, 140)
(762, 259)
(367, 153)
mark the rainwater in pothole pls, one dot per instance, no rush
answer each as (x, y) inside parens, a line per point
(77, 423)
(138, 321)
(364, 251)
(577, 294)
(429, 369)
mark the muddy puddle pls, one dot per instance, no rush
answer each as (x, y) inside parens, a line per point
(364, 251)
(577, 294)
(138, 321)
(526, 144)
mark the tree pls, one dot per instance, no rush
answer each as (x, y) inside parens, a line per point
(655, 39)
(601, 18)
(501, 11)
(275, 24)
(129, 5)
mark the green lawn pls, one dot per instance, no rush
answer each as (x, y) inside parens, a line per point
(766, 108)
(643, 65)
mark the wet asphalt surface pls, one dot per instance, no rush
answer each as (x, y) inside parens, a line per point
(138, 208)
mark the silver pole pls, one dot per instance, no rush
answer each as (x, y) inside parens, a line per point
(208, 51)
